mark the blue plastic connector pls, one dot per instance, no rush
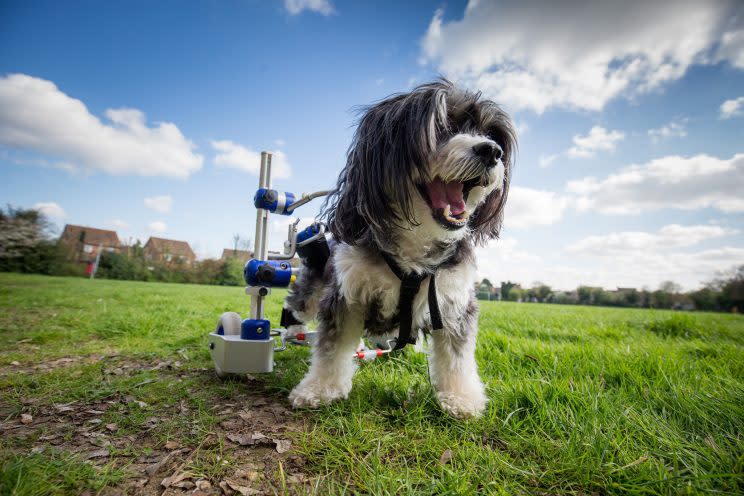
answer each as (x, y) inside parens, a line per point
(272, 273)
(274, 201)
(255, 330)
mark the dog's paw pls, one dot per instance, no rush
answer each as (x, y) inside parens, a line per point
(462, 405)
(312, 393)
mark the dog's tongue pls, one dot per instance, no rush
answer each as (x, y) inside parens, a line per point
(442, 194)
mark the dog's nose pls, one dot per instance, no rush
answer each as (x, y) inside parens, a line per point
(489, 152)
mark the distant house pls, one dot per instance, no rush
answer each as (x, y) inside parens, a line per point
(83, 242)
(242, 255)
(168, 251)
(487, 292)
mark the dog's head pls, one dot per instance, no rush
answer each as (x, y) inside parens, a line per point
(435, 159)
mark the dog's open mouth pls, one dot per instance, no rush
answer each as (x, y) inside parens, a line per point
(447, 201)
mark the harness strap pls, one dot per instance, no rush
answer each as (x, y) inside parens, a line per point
(410, 283)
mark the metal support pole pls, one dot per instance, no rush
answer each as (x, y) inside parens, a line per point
(260, 248)
(95, 264)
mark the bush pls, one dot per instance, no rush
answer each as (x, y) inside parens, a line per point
(116, 266)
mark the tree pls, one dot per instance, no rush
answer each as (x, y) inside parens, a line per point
(599, 296)
(631, 297)
(705, 298)
(666, 295)
(515, 294)
(241, 243)
(483, 290)
(670, 287)
(20, 231)
(542, 291)
(732, 291)
(25, 244)
(506, 288)
(585, 295)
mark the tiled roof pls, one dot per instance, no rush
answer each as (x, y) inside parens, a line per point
(90, 236)
(239, 254)
(172, 246)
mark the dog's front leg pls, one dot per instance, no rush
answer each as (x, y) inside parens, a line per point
(454, 371)
(332, 366)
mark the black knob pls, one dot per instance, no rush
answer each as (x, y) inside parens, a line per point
(265, 273)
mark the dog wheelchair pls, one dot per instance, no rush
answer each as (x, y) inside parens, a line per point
(238, 345)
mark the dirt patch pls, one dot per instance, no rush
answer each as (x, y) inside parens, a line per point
(249, 451)
(113, 364)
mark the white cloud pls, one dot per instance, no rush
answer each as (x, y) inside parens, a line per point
(295, 7)
(50, 209)
(598, 139)
(547, 160)
(279, 142)
(668, 237)
(500, 251)
(576, 54)
(37, 116)
(157, 227)
(625, 259)
(637, 259)
(117, 224)
(160, 204)
(669, 182)
(675, 129)
(504, 259)
(236, 156)
(649, 268)
(522, 127)
(732, 108)
(732, 47)
(527, 207)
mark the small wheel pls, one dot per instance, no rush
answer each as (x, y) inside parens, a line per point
(230, 322)
(219, 372)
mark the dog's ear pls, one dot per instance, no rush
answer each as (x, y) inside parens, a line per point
(485, 222)
(385, 162)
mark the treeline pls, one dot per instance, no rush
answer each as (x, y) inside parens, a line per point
(725, 293)
(134, 267)
(27, 245)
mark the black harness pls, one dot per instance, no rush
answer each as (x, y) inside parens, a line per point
(410, 283)
(316, 255)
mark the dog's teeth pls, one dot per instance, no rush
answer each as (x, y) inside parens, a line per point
(459, 219)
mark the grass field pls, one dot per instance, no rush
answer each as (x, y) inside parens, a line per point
(107, 387)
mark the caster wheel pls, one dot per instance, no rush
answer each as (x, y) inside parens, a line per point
(230, 322)
(219, 372)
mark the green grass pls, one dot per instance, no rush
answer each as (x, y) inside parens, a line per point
(582, 400)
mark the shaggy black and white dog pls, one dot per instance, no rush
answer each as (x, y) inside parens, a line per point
(426, 179)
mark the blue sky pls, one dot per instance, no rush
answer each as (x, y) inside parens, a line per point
(146, 117)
